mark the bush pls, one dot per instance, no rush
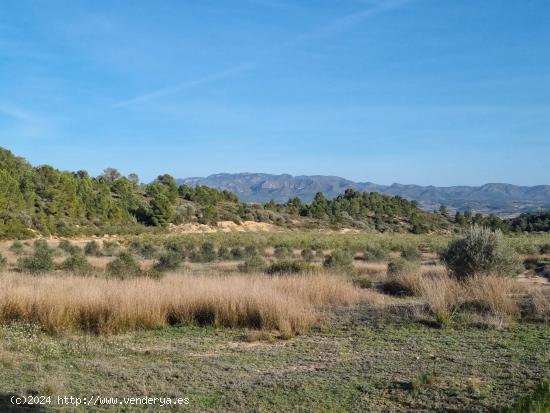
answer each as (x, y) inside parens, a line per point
(110, 248)
(250, 251)
(411, 253)
(223, 253)
(92, 248)
(145, 249)
(208, 252)
(401, 266)
(308, 255)
(341, 260)
(124, 266)
(286, 267)
(374, 253)
(254, 263)
(282, 252)
(17, 248)
(168, 261)
(237, 253)
(41, 260)
(480, 252)
(65, 245)
(545, 248)
(176, 245)
(78, 264)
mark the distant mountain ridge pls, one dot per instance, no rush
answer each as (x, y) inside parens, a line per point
(498, 198)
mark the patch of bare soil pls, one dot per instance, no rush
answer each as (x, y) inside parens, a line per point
(223, 226)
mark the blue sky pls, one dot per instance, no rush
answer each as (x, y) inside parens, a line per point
(412, 91)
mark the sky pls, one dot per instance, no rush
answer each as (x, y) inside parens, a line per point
(424, 92)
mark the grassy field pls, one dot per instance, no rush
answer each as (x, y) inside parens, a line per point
(367, 359)
(348, 337)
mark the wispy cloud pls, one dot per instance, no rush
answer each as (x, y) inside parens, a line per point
(345, 23)
(184, 86)
(24, 124)
(331, 28)
(15, 112)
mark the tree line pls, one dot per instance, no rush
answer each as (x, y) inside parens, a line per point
(46, 200)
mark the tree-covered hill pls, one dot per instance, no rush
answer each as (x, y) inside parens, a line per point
(531, 221)
(503, 200)
(45, 200)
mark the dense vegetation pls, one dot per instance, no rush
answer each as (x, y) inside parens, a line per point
(526, 222)
(45, 200)
(532, 221)
(480, 251)
(365, 210)
(49, 201)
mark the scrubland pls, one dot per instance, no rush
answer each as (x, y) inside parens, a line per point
(280, 322)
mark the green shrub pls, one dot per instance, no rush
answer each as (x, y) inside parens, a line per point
(208, 251)
(92, 248)
(538, 401)
(168, 261)
(400, 266)
(308, 255)
(286, 267)
(41, 261)
(254, 263)
(411, 253)
(374, 253)
(176, 245)
(545, 248)
(17, 248)
(110, 248)
(282, 252)
(340, 260)
(124, 266)
(78, 264)
(237, 253)
(145, 249)
(66, 246)
(480, 252)
(223, 253)
(527, 248)
(250, 251)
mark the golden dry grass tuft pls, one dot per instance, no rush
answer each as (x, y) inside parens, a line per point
(538, 302)
(410, 283)
(289, 304)
(442, 294)
(494, 297)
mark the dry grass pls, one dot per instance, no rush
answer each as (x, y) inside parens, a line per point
(539, 302)
(410, 283)
(99, 262)
(227, 266)
(496, 296)
(491, 296)
(443, 296)
(370, 268)
(288, 304)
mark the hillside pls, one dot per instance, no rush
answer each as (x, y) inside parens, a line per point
(501, 199)
(44, 200)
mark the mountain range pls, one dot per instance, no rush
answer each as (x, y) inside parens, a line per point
(504, 200)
